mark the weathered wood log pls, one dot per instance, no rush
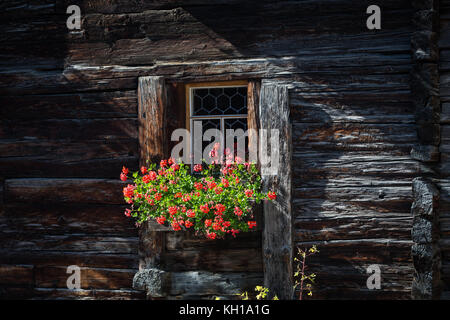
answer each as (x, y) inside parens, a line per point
(64, 191)
(152, 97)
(277, 233)
(253, 91)
(74, 243)
(213, 259)
(189, 241)
(67, 219)
(67, 294)
(117, 104)
(16, 275)
(351, 279)
(359, 251)
(359, 226)
(91, 278)
(65, 158)
(88, 259)
(152, 114)
(88, 129)
(195, 284)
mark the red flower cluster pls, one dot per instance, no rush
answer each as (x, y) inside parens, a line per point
(271, 195)
(204, 208)
(151, 176)
(251, 224)
(123, 174)
(215, 201)
(161, 219)
(128, 191)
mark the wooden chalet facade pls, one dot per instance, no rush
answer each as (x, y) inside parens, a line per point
(365, 122)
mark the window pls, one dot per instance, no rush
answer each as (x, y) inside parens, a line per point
(221, 105)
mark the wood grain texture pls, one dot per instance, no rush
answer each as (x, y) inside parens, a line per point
(274, 114)
(69, 120)
(152, 108)
(152, 114)
(444, 148)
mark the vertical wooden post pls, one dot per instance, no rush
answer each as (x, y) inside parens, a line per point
(153, 143)
(253, 89)
(274, 113)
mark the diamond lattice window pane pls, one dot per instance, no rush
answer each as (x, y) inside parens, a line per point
(236, 124)
(219, 101)
(207, 124)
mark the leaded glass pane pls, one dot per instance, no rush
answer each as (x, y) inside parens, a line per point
(236, 124)
(207, 124)
(219, 101)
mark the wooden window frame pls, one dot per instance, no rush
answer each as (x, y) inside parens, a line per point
(268, 108)
(189, 87)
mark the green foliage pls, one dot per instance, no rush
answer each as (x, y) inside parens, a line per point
(214, 201)
(303, 280)
(262, 293)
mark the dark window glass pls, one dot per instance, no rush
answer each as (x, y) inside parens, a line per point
(219, 101)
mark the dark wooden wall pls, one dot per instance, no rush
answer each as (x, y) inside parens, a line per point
(444, 170)
(69, 122)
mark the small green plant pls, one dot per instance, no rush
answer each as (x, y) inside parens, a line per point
(302, 278)
(263, 292)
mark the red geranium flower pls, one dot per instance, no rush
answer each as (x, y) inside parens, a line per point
(216, 226)
(125, 171)
(198, 185)
(128, 191)
(211, 235)
(123, 177)
(251, 224)
(271, 195)
(176, 226)
(173, 210)
(152, 175)
(198, 168)
(208, 222)
(158, 196)
(238, 211)
(190, 213)
(143, 170)
(150, 200)
(188, 224)
(249, 193)
(161, 220)
(211, 184)
(234, 231)
(127, 212)
(220, 209)
(204, 208)
(225, 183)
